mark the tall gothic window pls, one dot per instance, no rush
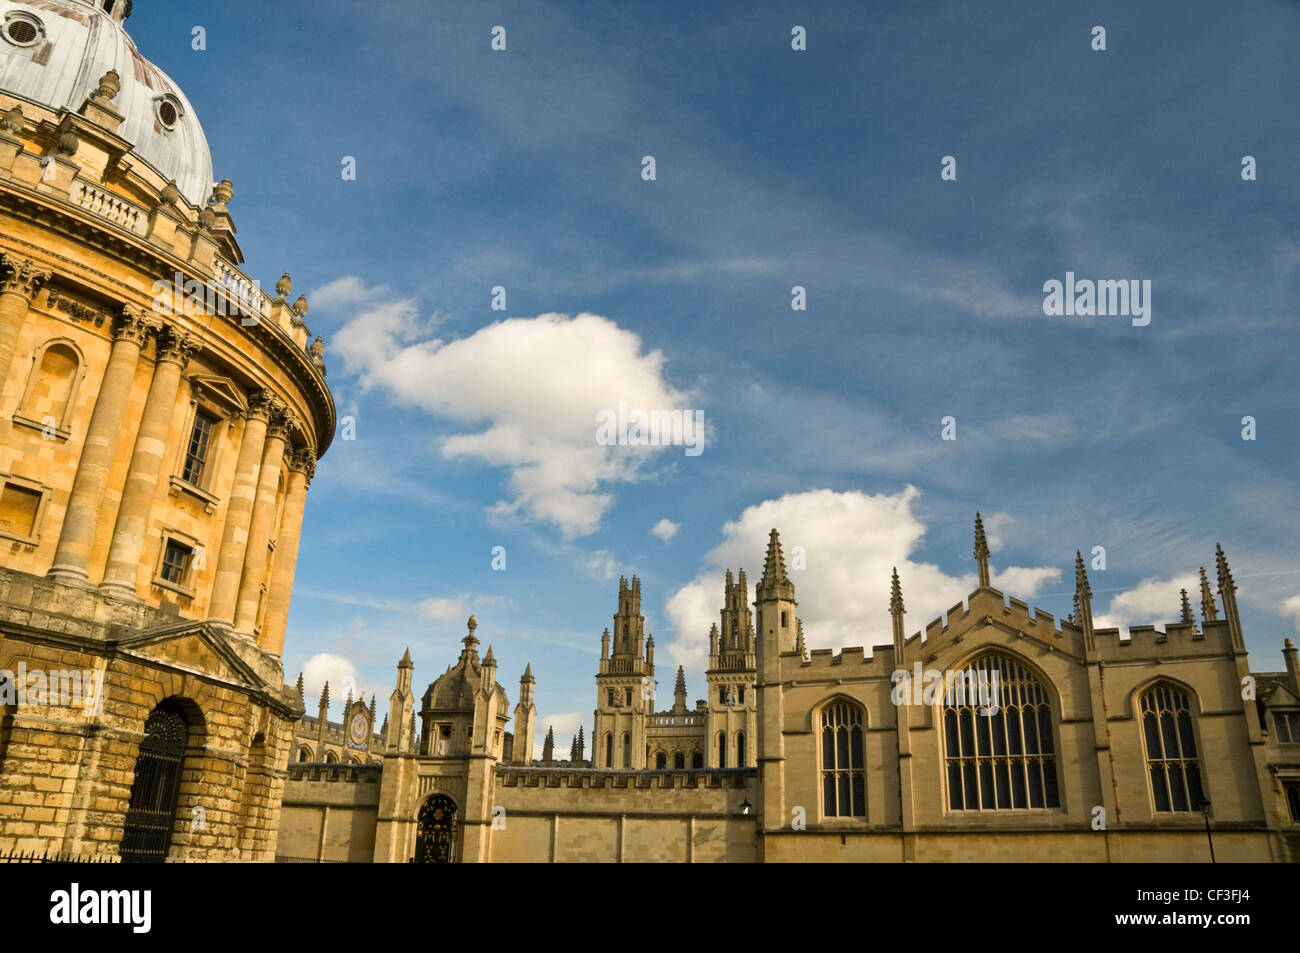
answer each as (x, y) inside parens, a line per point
(661, 760)
(627, 750)
(679, 760)
(609, 750)
(844, 779)
(722, 750)
(998, 740)
(740, 749)
(1172, 763)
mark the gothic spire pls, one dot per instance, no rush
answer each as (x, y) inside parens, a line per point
(325, 697)
(1186, 613)
(895, 595)
(1209, 611)
(548, 746)
(301, 696)
(1083, 604)
(981, 552)
(774, 564)
(680, 687)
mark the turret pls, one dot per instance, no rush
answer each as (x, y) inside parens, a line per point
(400, 734)
(774, 598)
(525, 718)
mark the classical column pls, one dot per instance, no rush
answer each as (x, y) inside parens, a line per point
(234, 536)
(19, 282)
(259, 527)
(302, 467)
(78, 536)
(174, 350)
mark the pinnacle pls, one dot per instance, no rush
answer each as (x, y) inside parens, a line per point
(895, 594)
(981, 541)
(774, 564)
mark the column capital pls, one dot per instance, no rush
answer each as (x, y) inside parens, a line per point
(262, 405)
(135, 325)
(283, 421)
(21, 277)
(303, 460)
(176, 346)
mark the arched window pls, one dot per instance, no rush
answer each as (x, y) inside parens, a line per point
(1172, 763)
(844, 779)
(331, 758)
(998, 739)
(151, 814)
(609, 750)
(304, 754)
(679, 760)
(697, 760)
(627, 750)
(661, 760)
(722, 750)
(740, 749)
(52, 386)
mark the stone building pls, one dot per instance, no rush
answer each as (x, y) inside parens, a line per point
(160, 420)
(1000, 733)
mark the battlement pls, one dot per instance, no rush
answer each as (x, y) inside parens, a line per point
(1178, 639)
(667, 779)
(346, 773)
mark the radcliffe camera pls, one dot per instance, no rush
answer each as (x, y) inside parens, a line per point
(546, 432)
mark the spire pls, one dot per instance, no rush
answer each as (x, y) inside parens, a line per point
(301, 696)
(582, 743)
(1209, 611)
(573, 749)
(680, 687)
(1228, 591)
(528, 673)
(406, 660)
(372, 711)
(1083, 605)
(325, 698)
(548, 746)
(384, 730)
(489, 659)
(982, 552)
(895, 595)
(1186, 614)
(798, 641)
(775, 584)
(774, 564)
(415, 734)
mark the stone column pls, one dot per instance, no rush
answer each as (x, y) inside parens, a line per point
(302, 467)
(174, 350)
(19, 283)
(259, 527)
(105, 429)
(234, 536)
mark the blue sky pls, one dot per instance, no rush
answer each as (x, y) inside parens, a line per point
(774, 168)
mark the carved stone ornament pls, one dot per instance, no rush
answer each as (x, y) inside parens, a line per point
(75, 309)
(170, 194)
(303, 460)
(21, 277)
(135, 325)
(12, 120)
(110, 84)
(68, 143)
(176, 346)
(283, 286)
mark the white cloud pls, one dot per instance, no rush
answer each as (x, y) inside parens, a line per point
(994, 526)
(1291, 607)
(527, 389)
(441, 609)
(1021, 581)
(665, 529)
(335, 669)
(1152, 601)
(566, 726)
(852, 542)
(599, 565)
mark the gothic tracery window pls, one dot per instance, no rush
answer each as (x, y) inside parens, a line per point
(1172, 762)
(998, 739)
(844, 780)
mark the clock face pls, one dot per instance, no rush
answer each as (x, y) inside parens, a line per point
(357, 730)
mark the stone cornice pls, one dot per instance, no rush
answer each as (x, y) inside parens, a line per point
(56, 214)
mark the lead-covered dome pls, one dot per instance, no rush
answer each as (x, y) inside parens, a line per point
(53, 53)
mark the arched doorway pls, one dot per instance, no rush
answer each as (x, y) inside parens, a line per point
(151, 815)
(435, 837)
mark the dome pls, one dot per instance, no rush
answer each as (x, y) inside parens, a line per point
(52, 53)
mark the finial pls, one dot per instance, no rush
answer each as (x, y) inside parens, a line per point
(301, 697)
(489, 659)
(223, 192)
(473, 623)
(300, 306)
(981, 552)
(12, 120)
(680, 687)
(895, 595)
(170, 194)
(1081, 587)
(325, 696)
(406, 660)
(1225, 574)
(284, 286)
(528, 673)
(110, 84)
(1209, 611)
(1186, 615)
(798, 641)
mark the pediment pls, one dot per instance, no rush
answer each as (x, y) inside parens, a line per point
(1282, 697)
(220, 389)
(194, 647)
